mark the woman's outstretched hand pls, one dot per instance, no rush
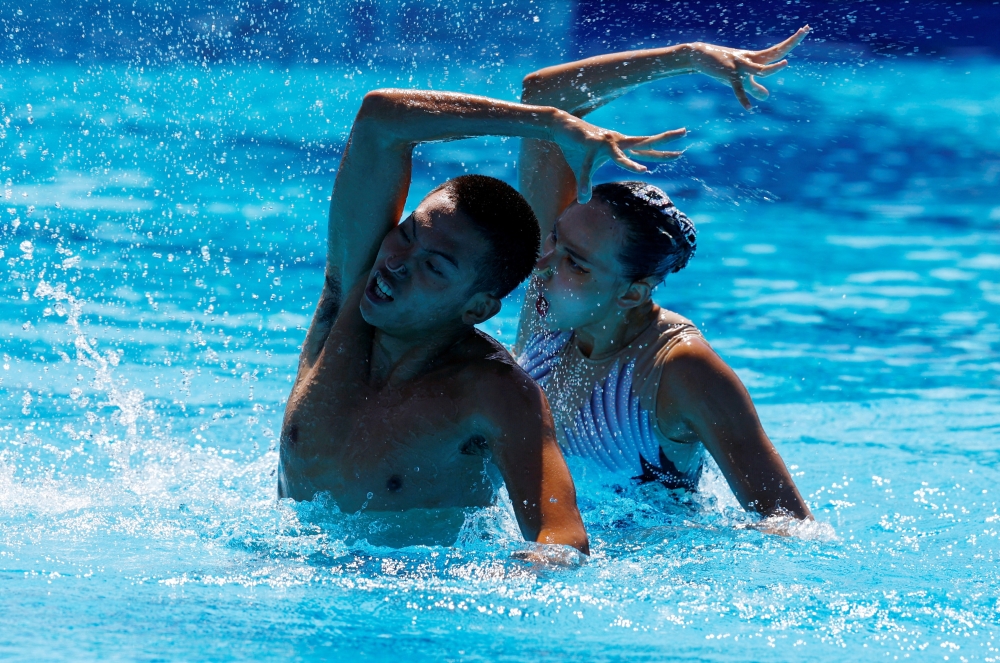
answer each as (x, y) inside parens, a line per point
(587, 147)
(739, 68)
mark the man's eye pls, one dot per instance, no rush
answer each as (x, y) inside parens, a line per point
(434, 269)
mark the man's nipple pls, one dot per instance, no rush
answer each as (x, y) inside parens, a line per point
(394, 484)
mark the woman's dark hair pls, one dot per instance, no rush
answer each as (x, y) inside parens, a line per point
(658, 238)
(507, 222)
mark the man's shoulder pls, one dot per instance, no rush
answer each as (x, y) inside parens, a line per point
(491, 368)
(490, 359)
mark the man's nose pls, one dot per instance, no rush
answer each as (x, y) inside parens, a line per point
(396, 266)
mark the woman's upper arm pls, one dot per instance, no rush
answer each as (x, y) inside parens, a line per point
(698, 387)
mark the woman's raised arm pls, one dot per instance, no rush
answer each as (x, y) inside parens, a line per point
(585, 85)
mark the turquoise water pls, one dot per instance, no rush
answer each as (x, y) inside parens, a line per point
(162, 235)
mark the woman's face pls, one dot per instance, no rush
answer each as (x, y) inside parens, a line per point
(578, 279)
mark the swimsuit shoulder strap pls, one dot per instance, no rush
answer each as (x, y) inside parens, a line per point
(669, 331)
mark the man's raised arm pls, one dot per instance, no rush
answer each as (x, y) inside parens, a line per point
(374, 175)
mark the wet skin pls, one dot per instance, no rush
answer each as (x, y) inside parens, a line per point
(399, 403)
(580, 284)
(578, 277)
(579, 280)
(355, 427)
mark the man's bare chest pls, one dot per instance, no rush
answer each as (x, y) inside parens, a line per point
(424, 442)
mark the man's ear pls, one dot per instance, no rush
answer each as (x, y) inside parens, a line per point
(637, 294)
(481, 307)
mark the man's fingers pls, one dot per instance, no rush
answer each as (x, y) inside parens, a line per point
(779, 51)
(625, 162)
(649, 141)
(656, 155)
(758, 91)
(741, 93)
(747, 66)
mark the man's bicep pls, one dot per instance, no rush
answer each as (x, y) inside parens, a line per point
(327, 309)
(368, 197)
(537, 477)
(517, 452)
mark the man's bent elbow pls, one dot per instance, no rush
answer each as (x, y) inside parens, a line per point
(378, 119)
(378, 103)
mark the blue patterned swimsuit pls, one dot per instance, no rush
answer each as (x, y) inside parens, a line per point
(604, 409)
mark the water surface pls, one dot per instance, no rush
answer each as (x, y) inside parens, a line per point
(162, 236)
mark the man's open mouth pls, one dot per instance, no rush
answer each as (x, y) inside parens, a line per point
(379, 290)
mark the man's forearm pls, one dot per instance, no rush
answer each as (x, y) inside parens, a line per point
(574, 537)
(409, 117)
(582, 86)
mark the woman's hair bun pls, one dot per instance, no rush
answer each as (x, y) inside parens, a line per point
(658, 238)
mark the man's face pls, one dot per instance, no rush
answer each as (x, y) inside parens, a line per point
(421, 280)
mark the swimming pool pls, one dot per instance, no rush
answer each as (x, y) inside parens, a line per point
(162, 236)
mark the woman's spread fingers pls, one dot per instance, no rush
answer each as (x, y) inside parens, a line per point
(769, 69)
(782, 49)
(741, 93)
(656, 155)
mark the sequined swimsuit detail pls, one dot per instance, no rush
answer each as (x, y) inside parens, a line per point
(604, 410)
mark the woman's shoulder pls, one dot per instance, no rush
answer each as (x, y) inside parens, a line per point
(669, 323)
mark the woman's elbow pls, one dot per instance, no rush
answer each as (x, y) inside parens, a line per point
(532, 85)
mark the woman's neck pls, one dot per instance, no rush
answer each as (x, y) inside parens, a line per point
(609, 335)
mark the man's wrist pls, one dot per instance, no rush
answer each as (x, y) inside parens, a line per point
(552, 117)
(684, 56)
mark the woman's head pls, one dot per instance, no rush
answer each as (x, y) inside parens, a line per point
(609, 254)
(657, 238)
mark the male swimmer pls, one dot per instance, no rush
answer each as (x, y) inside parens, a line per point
(633, 386)
(399, 402)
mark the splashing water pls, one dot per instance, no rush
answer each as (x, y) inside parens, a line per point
(161, 272)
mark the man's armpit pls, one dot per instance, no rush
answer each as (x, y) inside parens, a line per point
(330, 301)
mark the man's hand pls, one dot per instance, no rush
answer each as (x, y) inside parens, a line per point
(738, 67)
(586, 148)
(543, 556)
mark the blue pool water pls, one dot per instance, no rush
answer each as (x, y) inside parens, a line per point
(162, 234)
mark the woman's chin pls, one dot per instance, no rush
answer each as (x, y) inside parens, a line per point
(554, 322)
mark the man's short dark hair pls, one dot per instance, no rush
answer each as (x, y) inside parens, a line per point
(507, 222)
